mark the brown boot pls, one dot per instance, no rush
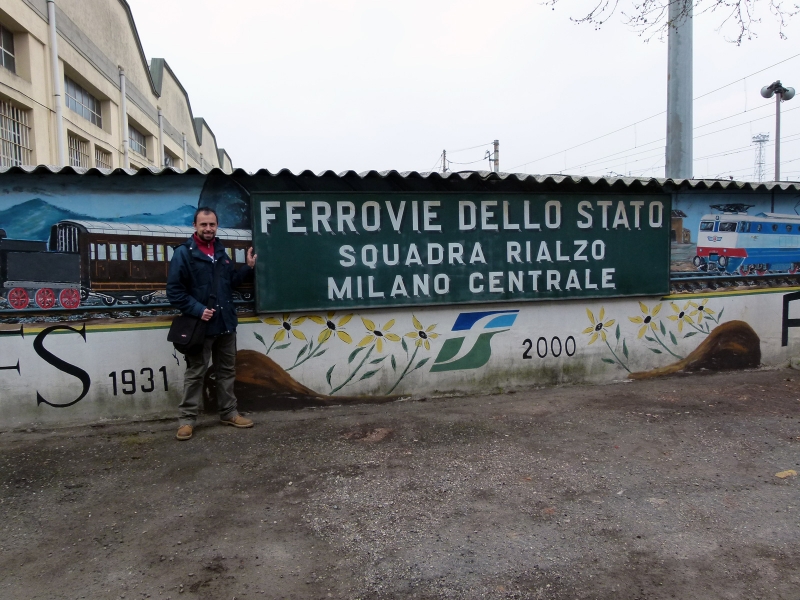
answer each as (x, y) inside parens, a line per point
(238, 421)
(184, 432)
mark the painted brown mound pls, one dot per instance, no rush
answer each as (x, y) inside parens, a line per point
(260, 370)
(732, 345)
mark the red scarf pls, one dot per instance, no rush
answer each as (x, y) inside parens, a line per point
(206, 248)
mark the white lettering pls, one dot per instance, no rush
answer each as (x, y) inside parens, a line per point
(487, 214)
(348, 253)
(454, 253)
(512, 252)
(572, 281)
(552, 218)
(291, 217)
(395, 259)
(495, 285)
(598, 250)
(397, 218)
(413, 256)
(579, 255)
(321, 213)
(560, 256)
(606, 278)
(467, 222)
(422, 285)
(506, 223)
(475, 289)
(441, 284)
(582, 205)
(370, 288)
(435, 254)
(553, 280)
(515, 281)
(527, 217)
(605, 204)
(588, 285)
(428, 215)
(345, 211)
(656, 222)
(535, 279)
(376, 216)
(621, 217)
(267, 216)
(544, 253)
(369, 256)
(637, 207)
(477, 254)
(398, 287)
(340, 294)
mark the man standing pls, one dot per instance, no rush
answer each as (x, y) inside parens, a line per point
(189, 288)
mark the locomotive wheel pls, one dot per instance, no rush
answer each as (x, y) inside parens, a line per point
(794, 268)
(109, 300)
(84, 294)
(18, 298)
(145, 298)
(745, 270)
(69, 298)
(45, 298)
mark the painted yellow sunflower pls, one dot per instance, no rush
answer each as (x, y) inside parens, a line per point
(701, 310)
(378, 334)
(680, 315)
(287, 326)
(646, 318)
(599, 326)
(422, 334)
(332, 327)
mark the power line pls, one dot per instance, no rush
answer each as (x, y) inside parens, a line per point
(653, 116)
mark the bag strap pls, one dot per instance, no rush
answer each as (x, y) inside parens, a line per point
(212, 299)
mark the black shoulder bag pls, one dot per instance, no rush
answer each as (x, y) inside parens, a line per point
(188, 333)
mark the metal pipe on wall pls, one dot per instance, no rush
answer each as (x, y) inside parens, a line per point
(123, 107)
(185, 164)
(53, 40)
(161, 139)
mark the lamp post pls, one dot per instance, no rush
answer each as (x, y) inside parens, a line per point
(782, 94)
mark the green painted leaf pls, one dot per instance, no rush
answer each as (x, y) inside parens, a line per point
(328, 375)
(617, 332)
(663, 329)
(673, 338)
(649, 339)
(302, 351)
(282, 346)
(656, 350)
(609, 361)
(690, 334)
(625, 348)
(323, 351)
(420, 363)
(394, 363)
(404, 345)
(368, 374)
(719, 316)
(353, 354)
(259, 338)
(377, 360)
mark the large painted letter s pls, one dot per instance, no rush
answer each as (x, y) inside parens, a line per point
(61, 365)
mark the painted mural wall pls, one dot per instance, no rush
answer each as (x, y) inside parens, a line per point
(83, 317)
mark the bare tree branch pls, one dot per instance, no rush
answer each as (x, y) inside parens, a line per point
(650, 18)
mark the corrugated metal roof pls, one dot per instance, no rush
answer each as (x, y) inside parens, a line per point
(435, 181)
(150, 230)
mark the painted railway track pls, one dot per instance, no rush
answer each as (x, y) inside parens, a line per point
(689, 281)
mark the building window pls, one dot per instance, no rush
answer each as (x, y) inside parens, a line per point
(168, 160)
(78, 152)
(7, 50)
(14, 136)
(82, 102)
(136, 140)
(102, 159)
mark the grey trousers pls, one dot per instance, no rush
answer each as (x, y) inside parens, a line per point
(222, 348)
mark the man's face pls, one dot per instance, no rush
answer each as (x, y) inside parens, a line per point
(205, 224)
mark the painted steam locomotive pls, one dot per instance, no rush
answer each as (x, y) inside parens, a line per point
(735, 242)
(94, 259)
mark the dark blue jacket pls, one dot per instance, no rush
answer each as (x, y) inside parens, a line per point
(191, 274)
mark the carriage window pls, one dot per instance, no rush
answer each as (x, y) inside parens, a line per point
(170, 252)
(112, 252)
(160, 252)
(727, 226)
(92, 254)
(123, 251)
(759, 227)
(240, 255)
(229, 252)
(101, 251)
(136, 252)
(150, 252)
(706, 225)
(744, 227)
(788, 228)
(775, 227)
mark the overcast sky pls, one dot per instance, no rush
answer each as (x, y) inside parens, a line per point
(374, 84)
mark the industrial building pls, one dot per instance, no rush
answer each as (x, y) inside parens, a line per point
(76, 90)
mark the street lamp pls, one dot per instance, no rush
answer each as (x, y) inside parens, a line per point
(782, 94)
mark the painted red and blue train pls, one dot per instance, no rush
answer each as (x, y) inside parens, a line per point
(735, 242)
(86, 262)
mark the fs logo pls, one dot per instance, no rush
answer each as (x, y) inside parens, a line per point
(473, 349)
(714, 238)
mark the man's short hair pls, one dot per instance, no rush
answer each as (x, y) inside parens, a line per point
(205, 209)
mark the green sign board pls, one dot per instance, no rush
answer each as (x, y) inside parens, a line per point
(353, 250)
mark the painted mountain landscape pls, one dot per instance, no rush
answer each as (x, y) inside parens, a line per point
(31, 220)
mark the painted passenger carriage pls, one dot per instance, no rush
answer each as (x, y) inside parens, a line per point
(735, 242)
(94, 259)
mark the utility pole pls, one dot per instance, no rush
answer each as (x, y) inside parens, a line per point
(497, 156)
(679, 156)
(759, 140)
(444, 161)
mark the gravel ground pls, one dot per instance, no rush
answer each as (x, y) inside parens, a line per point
(654, 489)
